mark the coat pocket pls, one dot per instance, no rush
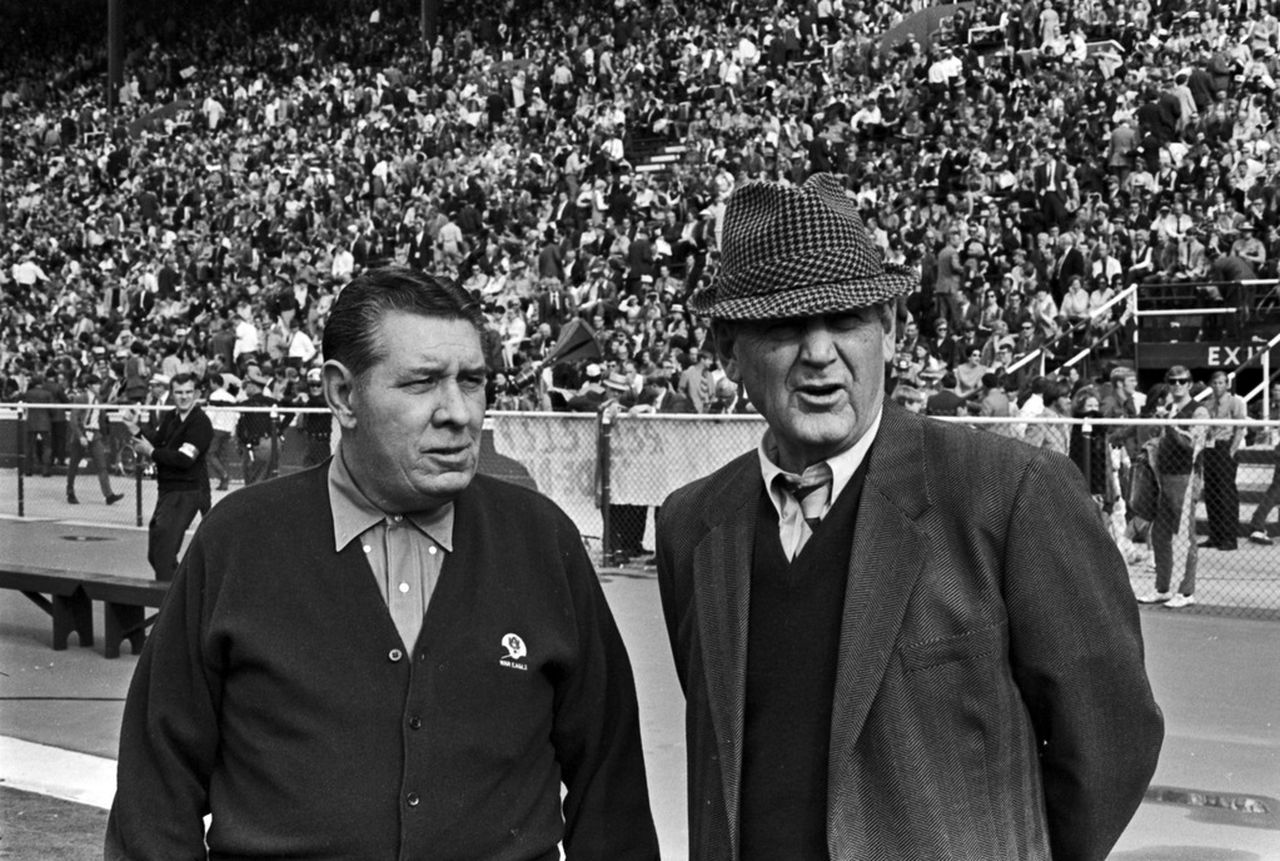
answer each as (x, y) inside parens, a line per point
(971, 644)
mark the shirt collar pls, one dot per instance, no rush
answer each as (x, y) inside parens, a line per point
(843, 465)
(354, 514)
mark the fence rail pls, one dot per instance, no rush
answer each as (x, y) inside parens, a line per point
(608, 473)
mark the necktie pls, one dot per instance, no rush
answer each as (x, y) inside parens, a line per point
(812, 489)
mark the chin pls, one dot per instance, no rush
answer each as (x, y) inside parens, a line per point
(445, 485)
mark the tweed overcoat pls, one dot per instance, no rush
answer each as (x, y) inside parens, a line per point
(991, 700)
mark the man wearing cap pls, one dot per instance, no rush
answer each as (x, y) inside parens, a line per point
(254, 430)
(879, 619)
(316, 428)
(176, 441)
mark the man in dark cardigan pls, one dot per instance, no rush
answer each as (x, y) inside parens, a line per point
(898, 638)
(386, 656)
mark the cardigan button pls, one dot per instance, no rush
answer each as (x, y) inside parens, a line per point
(413, 799)
(394, 655)
(415, 722)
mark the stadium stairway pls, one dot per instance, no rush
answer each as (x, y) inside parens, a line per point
(653, 154)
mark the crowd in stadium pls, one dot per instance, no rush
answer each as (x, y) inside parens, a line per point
(1029, 160)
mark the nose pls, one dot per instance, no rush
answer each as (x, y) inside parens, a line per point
(817, 344)
(451, 408)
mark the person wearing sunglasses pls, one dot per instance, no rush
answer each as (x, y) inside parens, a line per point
(1179, 480)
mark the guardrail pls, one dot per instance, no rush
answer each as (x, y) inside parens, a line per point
(608, 473)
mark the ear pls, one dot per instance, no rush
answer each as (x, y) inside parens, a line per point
(725, 336)
(340, 392)
(888, 317)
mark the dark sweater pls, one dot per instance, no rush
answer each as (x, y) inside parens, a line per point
(274, 692)
(175, 439)
(793, 640)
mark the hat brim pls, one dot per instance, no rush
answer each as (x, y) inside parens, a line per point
(806, 300)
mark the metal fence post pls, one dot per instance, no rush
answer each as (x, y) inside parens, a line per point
(603, 447)
(22, 462)
(273, 465)
(137, 490)
(1086, 433)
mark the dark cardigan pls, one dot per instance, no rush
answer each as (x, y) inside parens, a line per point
(274, 691)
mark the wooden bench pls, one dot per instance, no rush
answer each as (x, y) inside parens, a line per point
(70, 603)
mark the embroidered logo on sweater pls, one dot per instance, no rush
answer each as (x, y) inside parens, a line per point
(515, 651)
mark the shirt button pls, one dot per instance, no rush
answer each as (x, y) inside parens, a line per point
(432, 550)
(413, 799)
(368, 549)
(397, 518)
(404, 587)
(415, 722)
(394, 655)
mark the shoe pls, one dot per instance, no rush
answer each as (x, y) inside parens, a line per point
(1179, 601)
(114, 498)
(1155, 597)
(71, 500)
(1257, 536)
(1207, 545)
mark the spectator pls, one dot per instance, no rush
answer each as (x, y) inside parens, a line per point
(1271, 496)
(1222, 444)
(255, 431)
(85, 438)
(1053, 434)
(177, 442)
(1178, 482)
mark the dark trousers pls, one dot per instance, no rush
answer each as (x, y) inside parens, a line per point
(59, 432)
(317, 450)
(1221, 496)
(218, 456)
(39, 449)
(1269, 502)
(626, 528)
(97, 453)
(257, 461)
(175, 509)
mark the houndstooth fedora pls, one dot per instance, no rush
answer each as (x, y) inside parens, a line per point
(793, 252)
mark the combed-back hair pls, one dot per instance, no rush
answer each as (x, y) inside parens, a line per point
(351, 332)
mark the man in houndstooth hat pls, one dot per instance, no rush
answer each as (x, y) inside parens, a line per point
(897, 637)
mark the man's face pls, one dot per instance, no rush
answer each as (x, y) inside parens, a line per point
(818, 381)
(184, 396)
(415, 416)
(1219, 386)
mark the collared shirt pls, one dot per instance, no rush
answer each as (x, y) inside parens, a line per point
(1228, 406)
(792, 528)
(405, 552)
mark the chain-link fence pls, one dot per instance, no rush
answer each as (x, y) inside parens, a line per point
(1208, 519)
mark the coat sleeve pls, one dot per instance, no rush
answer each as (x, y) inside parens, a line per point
(169, 734)
(1077, 657)
(596, 733)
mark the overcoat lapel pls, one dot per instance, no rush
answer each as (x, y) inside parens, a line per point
(887, 556)
(722, 561)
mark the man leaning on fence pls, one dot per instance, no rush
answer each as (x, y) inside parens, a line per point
(898, 637)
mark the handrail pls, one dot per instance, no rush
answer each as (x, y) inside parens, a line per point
(1123, 295)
